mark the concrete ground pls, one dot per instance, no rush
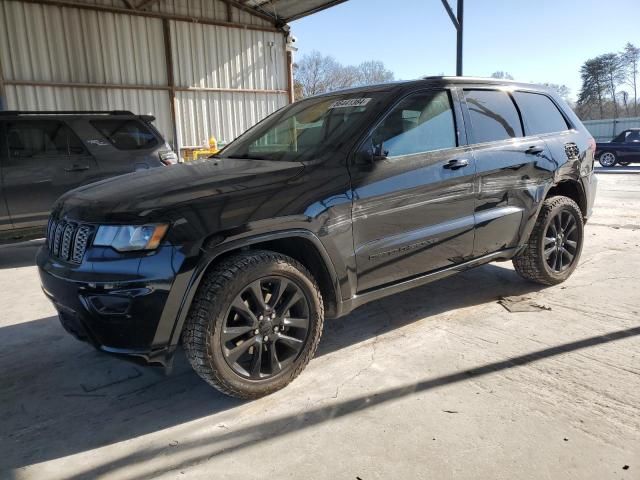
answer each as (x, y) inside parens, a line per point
(438, 382)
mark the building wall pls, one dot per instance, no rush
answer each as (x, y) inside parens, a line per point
(225, 78)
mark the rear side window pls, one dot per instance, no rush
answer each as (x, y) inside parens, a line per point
(539, 113)
(126, 134)
(422, 122)
(493, 115)
(42, 137)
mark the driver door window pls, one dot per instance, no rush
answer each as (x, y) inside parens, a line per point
(420, 123)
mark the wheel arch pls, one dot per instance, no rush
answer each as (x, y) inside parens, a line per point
(572, 189)
(302, 245)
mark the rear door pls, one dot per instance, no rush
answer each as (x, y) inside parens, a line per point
(44, 160)
(512, 168)
(413, 207)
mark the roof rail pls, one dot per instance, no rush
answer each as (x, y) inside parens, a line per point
(65, 112)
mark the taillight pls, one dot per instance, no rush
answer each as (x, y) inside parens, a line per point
(592, 144)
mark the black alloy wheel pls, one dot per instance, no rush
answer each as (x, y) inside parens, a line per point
(265, 327)
(254, 324)
(561, 241)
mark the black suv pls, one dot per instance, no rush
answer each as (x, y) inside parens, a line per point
(327, 204)
(45, 154)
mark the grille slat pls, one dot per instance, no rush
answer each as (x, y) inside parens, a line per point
(67, 240)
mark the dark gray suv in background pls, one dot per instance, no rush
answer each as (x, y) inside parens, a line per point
(45, 154)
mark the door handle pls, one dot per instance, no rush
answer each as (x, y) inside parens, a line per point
(76, 168)
(534, 150)
(456, 164)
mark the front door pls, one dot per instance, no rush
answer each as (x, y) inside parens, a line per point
(44, 160)
(413, 192)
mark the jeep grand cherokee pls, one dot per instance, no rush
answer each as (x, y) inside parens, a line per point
(327, 204)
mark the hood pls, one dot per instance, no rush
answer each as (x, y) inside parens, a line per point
(147, 194)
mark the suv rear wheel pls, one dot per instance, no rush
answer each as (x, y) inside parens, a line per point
(554, 247)
(254, 325)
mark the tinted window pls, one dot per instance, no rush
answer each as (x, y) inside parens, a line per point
(539, 113)
(493, 115)
(421, 122)
(628, 136)
(126, 134)
(28, 139)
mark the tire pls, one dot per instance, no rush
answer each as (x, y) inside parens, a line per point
(226, 303)
(534, 263)
(607, 159)
(624, 164)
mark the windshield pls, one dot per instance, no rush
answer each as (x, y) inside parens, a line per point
(307, 129)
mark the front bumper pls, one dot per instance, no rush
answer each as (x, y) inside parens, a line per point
(123, 306)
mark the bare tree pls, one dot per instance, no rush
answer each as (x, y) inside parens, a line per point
(502, 75)
(373, 72)
(316, 73)
(614, 74)
(630, 61)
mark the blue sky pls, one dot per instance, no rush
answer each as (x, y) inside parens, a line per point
(534, 40)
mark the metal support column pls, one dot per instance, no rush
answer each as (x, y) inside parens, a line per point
(168, 52)
(457, 21)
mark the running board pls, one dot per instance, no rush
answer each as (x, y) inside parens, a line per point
(366, 297)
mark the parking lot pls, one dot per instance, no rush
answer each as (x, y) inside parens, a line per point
(440, 381)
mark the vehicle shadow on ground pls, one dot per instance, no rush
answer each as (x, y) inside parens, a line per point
(60, 397)
(21, 254)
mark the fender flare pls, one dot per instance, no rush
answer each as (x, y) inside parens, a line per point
(210, 255)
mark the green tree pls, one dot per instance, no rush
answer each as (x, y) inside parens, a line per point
(593, 87)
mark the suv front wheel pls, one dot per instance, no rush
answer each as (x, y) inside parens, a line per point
(255, 323)
(554, 247)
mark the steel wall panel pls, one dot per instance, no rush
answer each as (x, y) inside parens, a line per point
(219, 57)
(52, 44)
(221, 114)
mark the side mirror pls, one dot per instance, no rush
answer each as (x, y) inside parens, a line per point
(378, 152)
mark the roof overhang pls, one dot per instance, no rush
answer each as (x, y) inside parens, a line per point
(284, 11)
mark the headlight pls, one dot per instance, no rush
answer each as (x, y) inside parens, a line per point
(126, 238)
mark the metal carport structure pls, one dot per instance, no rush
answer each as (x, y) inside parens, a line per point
(202, 67)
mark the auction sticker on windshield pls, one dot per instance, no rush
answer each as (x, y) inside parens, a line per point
(350, 102)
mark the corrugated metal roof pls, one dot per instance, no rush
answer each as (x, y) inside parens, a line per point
(288, 10)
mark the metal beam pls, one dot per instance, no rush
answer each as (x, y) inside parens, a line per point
(459, 38)
(252, 11)
(168, 55)
(457, 21)
(150, 14)
(3, 93)
(145, 3)
(128, 4)
(28, 83)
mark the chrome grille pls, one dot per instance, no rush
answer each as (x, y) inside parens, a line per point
(68, 240)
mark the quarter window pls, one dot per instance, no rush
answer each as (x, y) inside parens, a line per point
(420, 123)
(493, 115)
(540, 114)
(126, 134)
